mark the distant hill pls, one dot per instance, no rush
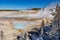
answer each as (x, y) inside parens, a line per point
(35, 8)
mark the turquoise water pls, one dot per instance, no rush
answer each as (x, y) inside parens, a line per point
(19, 26)
(23, 24)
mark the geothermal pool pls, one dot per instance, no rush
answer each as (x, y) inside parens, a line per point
(24, 24)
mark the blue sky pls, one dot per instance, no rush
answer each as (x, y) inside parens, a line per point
(25, 4)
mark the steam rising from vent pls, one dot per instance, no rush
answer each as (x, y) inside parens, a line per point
(43, 13)
(52, 5)
(46, 13)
